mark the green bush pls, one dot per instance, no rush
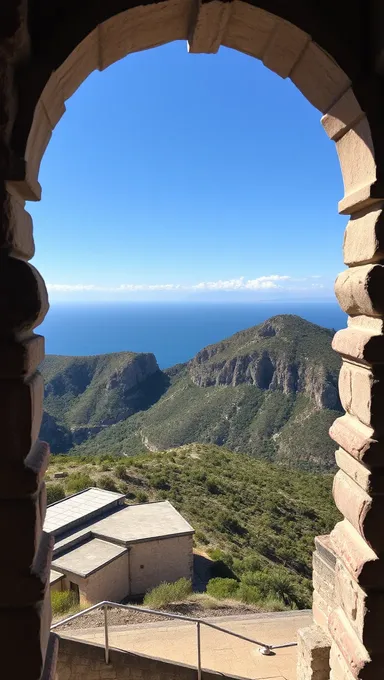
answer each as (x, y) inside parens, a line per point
(78, 481)
(55, 492)
(222, 588)
(63, 601)
(108, 483)
(141, 497)
(200, 537)
(121, 471)
(167, 593)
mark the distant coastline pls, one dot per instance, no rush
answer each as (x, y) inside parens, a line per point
(174, 332)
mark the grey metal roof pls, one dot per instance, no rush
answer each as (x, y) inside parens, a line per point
(88, 557)
(79, 508)
(147, 521)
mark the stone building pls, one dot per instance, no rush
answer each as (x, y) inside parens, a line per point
(333, 51)
(107, 550)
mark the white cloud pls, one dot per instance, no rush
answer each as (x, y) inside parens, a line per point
(241, 283)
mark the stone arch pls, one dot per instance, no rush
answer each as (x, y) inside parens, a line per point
(46, 58)
(283, 47)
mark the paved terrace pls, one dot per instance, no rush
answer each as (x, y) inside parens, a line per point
(176, 641)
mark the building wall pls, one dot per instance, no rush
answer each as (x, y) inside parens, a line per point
(59, 585)
(109, 583)
(152, 562)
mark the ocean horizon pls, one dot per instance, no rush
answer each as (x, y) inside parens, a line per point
(174, 332)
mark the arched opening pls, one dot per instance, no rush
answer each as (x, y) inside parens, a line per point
(288, 50)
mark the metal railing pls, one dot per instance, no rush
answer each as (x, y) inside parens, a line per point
(264, 648)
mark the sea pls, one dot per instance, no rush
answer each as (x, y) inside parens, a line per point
(174, 332)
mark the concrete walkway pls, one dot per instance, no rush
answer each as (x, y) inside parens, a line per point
(176, 641)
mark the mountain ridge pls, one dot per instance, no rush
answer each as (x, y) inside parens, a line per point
(270, 391)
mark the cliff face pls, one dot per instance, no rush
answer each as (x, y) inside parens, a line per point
(128, 376)
(86, 394)
(269, 373)
(272, 356)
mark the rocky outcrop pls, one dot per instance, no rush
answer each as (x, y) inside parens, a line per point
(273, 362)
(129, 376)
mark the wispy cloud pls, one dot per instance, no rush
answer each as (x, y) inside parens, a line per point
(260, 283)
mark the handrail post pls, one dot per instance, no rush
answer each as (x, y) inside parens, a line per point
(198, 651)
(106, 641)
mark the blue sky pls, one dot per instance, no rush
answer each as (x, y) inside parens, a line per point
(175, 176)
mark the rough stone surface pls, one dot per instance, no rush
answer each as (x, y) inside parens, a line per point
(364, 237)
(23, 297)
(357, 556)
(362, 393)
(342, 115)
(21, 406)
(360, 290)
(358, 440)
(313, 654)
(209, 27)
(19, 359)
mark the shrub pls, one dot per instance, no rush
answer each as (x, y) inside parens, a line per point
(55, 492)
(213, 487)
(63, 601)
(78, 481)
(160, 482)
(141, 497)
(226, 521)
(107, 482)
(222, 588)
(200, 537)
(121, 471)
(166, 593)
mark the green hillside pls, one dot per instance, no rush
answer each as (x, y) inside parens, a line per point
(255, 519)
(269, 391)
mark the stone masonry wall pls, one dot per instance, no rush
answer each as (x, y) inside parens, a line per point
(83, 661)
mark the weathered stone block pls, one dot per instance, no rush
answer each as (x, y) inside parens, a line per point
(209, 27)
(360, 345)
(353, 651)
(342, 115)
(23, 297)
(38, 140)
(364, 609)
(364, 237)
(19, 359)
(364, 512)
(313, 654)
(284, 49)
(339, 668)
(319, 78)
(21, 408)
(359, 290)
(249, 29)
(22, 625)
(325, 550)
(143, 27)
(22, 535)
(359, 559)
(323, 579)
(16, 235)
(371, 481)
(362, 393)
(358, 440)
(356, 156)
(321, 610)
